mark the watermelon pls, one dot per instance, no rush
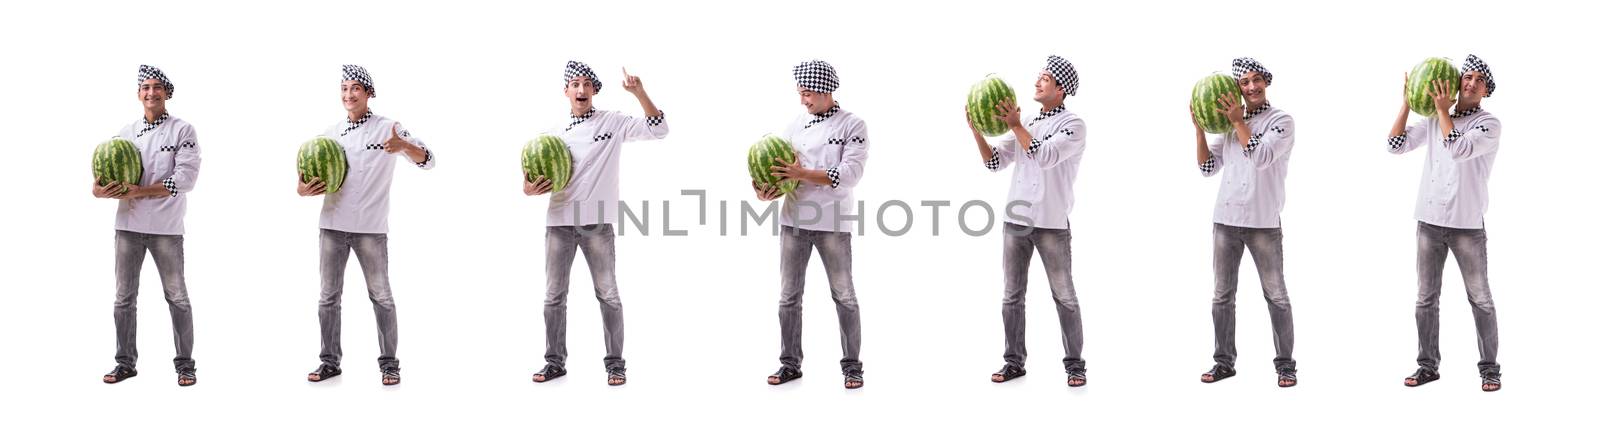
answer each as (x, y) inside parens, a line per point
(981, 102)
(547, 156)
(117, 160)
(323, 157)
(765, 154)
(1421, 81)
(1203, 102)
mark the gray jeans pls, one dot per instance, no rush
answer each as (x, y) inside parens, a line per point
(1055, 249)
(372, 251)
(1266, 249)
(168, 253)
(561, 245)
(1471, 247)
(795, 245)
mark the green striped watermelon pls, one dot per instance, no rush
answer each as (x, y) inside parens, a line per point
(764, 154)
(981, 103)
(1203, 101)
(1421, 81)
(117, 160)
(547, 156)
(323, 157)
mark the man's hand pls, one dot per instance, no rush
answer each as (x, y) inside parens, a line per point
(539, 186)
(313, 187)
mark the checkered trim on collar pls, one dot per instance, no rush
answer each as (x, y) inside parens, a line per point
(1043, 114)
(1473, 63)
(358, 74)
(816, 76)
(577, 69)
(1257, 111)
(147, 72)
(818, 118)
(352, 125)
(148, 125)
(1242, 66)
(579, 119)
(1459, 114)
(1064, 73)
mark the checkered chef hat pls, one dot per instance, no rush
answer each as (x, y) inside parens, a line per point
(359, 75)
(1241, 66)
(577, 69)
(147, 72)
(1474, 64)
(817, 76)
(1062, 71)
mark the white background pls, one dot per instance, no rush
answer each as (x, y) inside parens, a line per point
(476, 81)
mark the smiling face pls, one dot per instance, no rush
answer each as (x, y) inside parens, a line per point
(1046, 90)
(354, 96)
(815, 102)
(580, 93)
(153, 95)
(1254, 87)
(1474, 87)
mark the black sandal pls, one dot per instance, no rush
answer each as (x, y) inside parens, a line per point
(1423, 376)
(853, 377)
(616, 376)
(186, 377)
(1491, 379)
(119, 374)
(1287, 378)
(784, 375)
(391, 376)
(550, 372)
(1217, 373)
(1007, 373)
(324, 372)
(1079, 374)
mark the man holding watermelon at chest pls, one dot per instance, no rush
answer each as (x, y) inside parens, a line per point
(150, 167)
(355, 217)
(831, 154)
(584, 209)
(1252, 153)
(1046, 151)
(1451, 201)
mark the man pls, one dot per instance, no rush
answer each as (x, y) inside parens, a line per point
(356, 218)
(582, 215)
(1451, 201)
(150, 218)
(1254, 160)
(831, 154)
(1046, 151)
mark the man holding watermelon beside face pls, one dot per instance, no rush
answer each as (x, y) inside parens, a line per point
(356, 218)
(1451, 203)
(831, 154)
(582, 214)
(1253, 155)
(150, 218)
(1046, 151)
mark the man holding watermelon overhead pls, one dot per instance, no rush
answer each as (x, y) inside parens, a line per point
(1046, 151)
(150, 219)
(355, 217)
(1451, 201)
(831, 154)
(1252, 153)
(582, 214)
